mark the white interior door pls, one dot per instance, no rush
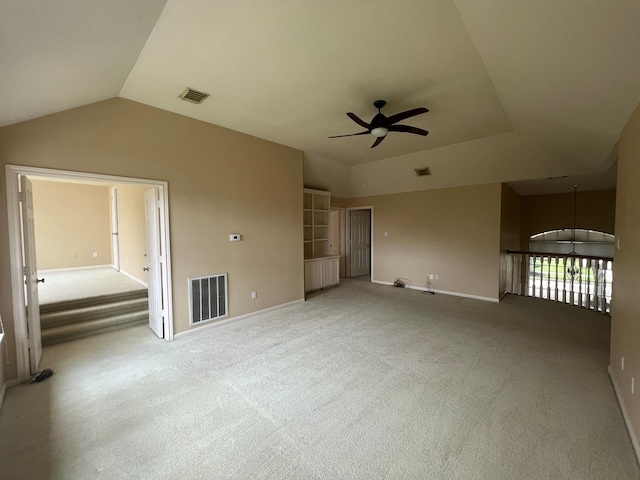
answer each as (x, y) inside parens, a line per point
(360, 242)
(30, 273)
(152, 212)
(115, 239)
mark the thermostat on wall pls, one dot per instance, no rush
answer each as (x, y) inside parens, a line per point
(235, 237)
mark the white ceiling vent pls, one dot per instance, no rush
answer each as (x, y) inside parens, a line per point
(422, 171)
(193, 96)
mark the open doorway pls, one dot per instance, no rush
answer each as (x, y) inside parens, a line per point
(359, 234)
(94, 255)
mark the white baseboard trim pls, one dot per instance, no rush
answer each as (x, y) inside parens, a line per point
(135, 279)
(234, 319)
(632, 434)
(445, 292)
(70, 269)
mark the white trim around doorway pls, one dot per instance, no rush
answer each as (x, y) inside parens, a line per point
(12, 174)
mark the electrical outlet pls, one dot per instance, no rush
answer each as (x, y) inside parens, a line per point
(75, 255)
(254, 295)
(431, 276)
(437, 276)
(622, 363)
(95, 254)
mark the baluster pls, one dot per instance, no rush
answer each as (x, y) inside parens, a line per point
(604, 286)
(580, 289)
(596, 285)
(567, 277)
(555, 295)
(541, 277)
(573, 278)
(548, 277)
(514, 272)
(580, 292)
(525, 277)
(605, 302)
(541, 289)
(531, 262)
(585, 285)
(589, 288)
(594, 267)
(564, 279)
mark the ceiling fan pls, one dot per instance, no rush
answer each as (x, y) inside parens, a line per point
(381, 125)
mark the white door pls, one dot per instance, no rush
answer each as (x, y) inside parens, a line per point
(151, 208)
(115, 240)
(30, 273)
(360, 242)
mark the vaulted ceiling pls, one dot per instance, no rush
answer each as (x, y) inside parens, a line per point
(563, 76)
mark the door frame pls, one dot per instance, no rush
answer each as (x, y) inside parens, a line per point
(12, 175)
(342, 242)
(115, 239)
(348, 239)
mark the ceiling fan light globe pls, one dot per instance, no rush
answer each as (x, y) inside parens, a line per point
(379, 132)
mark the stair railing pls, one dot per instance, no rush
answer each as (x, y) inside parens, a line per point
(580, 280)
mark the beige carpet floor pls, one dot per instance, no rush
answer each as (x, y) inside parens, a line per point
(62, 285)
(360, 382)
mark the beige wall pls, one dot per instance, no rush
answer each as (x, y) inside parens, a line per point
(132, 233)
(454, 232)
(510, 226)
(625, 315)
(541, 213)
(220, 182)
(338, 202)
(71, 222)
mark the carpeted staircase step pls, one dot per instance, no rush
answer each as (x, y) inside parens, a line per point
(64, 333)
(83, 302)
(95, 311)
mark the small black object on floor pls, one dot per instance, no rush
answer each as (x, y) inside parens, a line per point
(40, 376)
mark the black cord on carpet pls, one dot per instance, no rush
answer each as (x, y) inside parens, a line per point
(41, 376)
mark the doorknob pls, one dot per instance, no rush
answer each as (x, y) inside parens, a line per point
(39, 280)
(145, 269)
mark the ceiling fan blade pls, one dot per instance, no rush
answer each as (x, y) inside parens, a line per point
(358, 120)
(351, 134)
(408, 129)
(378, 140)
(409, 113)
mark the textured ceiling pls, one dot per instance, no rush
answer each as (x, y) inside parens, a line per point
(562, 75)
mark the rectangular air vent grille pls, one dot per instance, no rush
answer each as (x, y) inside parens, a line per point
(422, 171)
(193, 96)
(208, 298)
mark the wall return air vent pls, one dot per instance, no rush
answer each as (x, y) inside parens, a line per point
(421, 172)
(193, 96)
(208, 298)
